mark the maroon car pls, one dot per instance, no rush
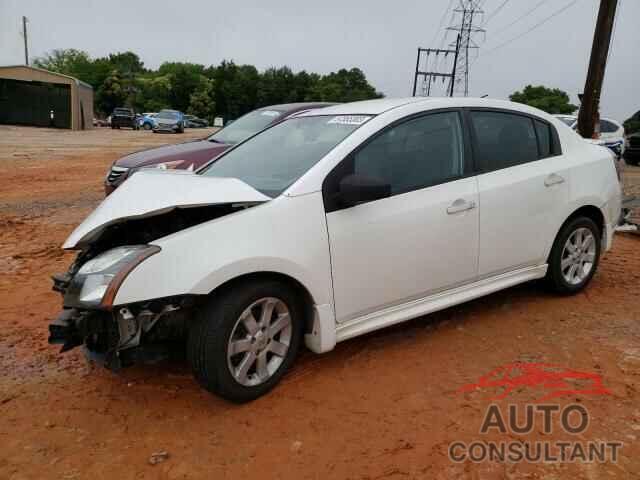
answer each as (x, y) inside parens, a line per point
(192, 155)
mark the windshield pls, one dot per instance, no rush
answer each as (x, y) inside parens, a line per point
(171, 115)
(277, 157)
(246, 126)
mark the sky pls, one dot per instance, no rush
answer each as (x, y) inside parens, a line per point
(381, 38)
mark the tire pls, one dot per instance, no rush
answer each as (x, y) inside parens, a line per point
(585, 258)
(146, 126)
(219, 325)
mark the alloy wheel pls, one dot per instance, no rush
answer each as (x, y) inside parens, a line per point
(259, 341)
(578, 256)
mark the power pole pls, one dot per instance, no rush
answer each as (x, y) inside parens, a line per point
(468, 10)
(429, 76)
(589, 110)
(26, 43)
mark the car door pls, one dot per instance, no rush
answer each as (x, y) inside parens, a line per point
(421, 239)
(523, 186)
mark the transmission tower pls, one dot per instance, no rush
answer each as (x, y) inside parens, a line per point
(469, 13)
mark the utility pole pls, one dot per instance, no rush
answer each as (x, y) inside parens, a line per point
(589, 110)
(429, 76)
(26, 43)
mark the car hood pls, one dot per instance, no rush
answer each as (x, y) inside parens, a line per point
(153, 192)
(196, 153)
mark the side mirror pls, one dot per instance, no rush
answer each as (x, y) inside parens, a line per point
(355, 189)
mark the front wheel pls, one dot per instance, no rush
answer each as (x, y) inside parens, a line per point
(146, 126)
(244, 340)
(574, 257)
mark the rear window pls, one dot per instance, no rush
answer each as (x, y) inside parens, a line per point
(545, 139)
(503, 140)
(607, 127)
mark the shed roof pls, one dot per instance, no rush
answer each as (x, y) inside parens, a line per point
(29, 67)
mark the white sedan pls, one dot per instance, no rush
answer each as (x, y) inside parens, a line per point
(329, 225)
(610, 132)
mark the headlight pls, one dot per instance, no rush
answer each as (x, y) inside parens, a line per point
(170, 165)
(98, 280)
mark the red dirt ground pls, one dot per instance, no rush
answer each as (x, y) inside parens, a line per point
(386, 405)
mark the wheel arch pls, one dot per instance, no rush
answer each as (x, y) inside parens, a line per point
(319, 323)
(587, 210)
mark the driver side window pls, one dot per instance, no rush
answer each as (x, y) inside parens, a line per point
(416, 154)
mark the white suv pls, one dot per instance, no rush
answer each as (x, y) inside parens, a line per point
(332, 224)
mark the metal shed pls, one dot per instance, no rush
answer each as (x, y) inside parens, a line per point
(37, 97)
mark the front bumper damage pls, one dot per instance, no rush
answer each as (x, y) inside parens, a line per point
(142, 333)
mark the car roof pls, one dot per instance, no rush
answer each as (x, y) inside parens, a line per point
(296, 107)
(379, 106)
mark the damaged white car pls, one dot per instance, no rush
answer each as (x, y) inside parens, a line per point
(329, 225)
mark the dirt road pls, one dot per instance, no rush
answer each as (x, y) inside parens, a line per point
(387, 405)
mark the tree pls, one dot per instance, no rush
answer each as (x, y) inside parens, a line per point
(121, 79)
(344, 86)
(552, 101)
(632, 124)
(111, 93)
(153, 93)
(185, 78)
(201, 102)
(72, 62)
(128, 63)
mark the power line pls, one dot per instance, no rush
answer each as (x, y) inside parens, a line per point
(539, 24)
(441, 24)
(524, 15)
(494, 13)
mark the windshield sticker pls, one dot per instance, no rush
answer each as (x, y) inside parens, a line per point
(349, 119)
(270, 113)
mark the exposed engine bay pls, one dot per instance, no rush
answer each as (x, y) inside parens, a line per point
(143, 332)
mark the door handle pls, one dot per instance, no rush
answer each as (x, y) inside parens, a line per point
(553, 179)
(460, 205)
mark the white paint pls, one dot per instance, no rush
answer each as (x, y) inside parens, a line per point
(379, 263)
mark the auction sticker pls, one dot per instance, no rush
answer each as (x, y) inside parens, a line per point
(349, 119)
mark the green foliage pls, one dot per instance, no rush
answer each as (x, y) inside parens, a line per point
(632, 124)
(71, 62)
(344, 86)
(227, 90)
(202, 101)
(112, 93)
(554, 101)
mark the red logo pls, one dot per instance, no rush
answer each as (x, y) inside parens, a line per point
(558, 381)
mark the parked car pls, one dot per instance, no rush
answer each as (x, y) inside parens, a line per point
(191, 121)
(192, 155)
(123, 117)
(632, 149)
(146, 120)
(331, 224)
(169, 121)
(611, 132)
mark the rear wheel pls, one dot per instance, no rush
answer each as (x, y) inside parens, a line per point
(243, 341)
(146, 126)
(574, 257)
